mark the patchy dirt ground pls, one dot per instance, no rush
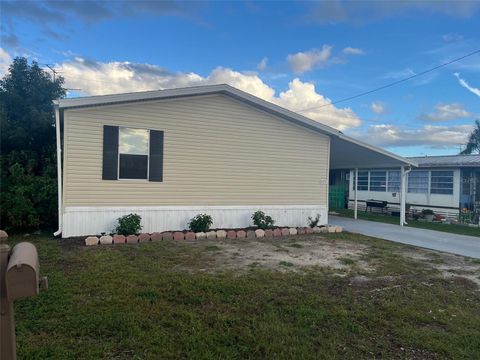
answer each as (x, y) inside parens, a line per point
(341, 254)
(449, 265)
(290, 254)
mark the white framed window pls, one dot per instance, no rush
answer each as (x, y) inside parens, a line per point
(133, 153)
(418, 181)
(378, 180)
(393, 181)
(362, 180)
(441, 182)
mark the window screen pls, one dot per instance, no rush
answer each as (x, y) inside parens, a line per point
(133, 166)
(441, 182)
(418, 182)
(378, 180)
(362, 180)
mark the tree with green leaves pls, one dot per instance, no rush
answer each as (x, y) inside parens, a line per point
(473, 145)
(28, 153)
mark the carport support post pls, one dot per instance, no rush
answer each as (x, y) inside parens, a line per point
(402, 195)
(355, 211)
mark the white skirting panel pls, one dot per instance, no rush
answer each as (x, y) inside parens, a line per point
(88, 220)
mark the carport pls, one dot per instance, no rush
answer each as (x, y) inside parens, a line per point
(350, 153)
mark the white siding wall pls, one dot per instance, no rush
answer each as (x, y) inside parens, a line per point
(84, 220)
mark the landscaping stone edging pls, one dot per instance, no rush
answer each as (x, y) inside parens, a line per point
(212, 234)
(106, 240)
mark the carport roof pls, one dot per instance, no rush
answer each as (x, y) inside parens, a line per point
(448, 161)
(350, 153)
(345, 152)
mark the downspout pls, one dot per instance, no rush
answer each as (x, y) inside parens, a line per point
(59, 169)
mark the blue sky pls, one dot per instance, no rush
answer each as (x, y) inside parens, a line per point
(300, 55)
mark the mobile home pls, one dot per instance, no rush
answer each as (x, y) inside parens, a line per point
(168, 155)
(449, 185)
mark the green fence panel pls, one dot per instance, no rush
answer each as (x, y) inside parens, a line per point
(336, 197)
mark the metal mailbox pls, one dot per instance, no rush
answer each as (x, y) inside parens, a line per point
(22, 275)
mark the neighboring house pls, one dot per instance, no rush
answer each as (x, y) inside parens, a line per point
(446, 184)
(171, 154)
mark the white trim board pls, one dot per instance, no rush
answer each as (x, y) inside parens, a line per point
(88, 220)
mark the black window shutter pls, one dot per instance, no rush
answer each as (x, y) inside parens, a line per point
(156, 156)
(110, 152)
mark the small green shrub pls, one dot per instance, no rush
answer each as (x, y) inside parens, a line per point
(129, 224)
(313, 222)
(200, 223)
(262, 221)
(428, 212)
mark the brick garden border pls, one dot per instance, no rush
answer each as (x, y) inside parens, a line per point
(213, 234)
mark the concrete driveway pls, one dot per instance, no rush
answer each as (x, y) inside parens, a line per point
(430, 239)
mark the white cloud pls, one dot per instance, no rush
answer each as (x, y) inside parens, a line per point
(445, 112)
(303, 98)
(353, 51)
(5, 61)
(99, 78)
(387, 135)
(378, 107)
(305, 61)
(262, 65)
(463, 83)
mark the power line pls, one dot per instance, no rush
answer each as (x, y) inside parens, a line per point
(393, 83)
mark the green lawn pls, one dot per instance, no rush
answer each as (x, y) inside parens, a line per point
(451, 228)
(169, 300)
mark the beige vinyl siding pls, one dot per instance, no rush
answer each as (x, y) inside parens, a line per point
(217, 151)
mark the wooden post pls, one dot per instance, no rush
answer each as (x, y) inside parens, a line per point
(8, 349)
